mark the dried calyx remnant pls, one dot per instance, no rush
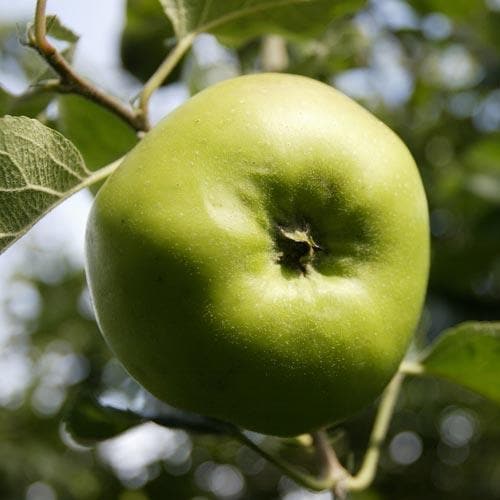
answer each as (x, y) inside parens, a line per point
(296, 248)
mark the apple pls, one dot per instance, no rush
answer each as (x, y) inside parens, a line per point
(262, 255)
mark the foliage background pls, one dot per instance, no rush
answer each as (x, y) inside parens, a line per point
(429, 69)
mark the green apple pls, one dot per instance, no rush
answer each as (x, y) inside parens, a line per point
(262, 255)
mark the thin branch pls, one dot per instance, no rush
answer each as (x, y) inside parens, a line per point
(40, 28)
(331, 469)
(366, 473)
(304, 479)
(71, 82)
(162, 72)
(333, 475)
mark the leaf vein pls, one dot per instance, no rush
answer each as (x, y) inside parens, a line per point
(65, 167)
(244, 12)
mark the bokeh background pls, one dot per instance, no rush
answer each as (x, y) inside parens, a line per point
(431, 70)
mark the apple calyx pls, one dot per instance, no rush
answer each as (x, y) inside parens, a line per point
(297, 248)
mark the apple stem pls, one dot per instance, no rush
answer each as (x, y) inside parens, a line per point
(304, 479)
(297, 248)
(333, 475)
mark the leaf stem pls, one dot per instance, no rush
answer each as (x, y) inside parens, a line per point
(72, 82)
(99, 175)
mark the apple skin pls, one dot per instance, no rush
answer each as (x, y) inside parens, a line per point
(188, 272)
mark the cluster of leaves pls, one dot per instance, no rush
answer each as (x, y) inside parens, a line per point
(444, 68)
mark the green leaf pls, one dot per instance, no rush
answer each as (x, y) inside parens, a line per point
(469, 355)
(147, 31)
(100, 136)
(16, 58)
(57, 30)
(30, 104)
(459, 9)
(474, 17)
(482, 160)
(484, 154)
(5, 99)
(39, 168)
(238, 20)
(89, 422)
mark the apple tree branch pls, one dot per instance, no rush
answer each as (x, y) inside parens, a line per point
(71, 82)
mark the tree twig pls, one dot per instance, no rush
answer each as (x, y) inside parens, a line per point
(331, 469)
(162, 72)
(333, 476)
(302, 478)
(366, 473)
(72, 82)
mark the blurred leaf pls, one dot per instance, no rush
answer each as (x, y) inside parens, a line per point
(100, 136)
(466, 264)
(199, 76)
(145, 39)
(460, 9)
(466, 224)
(38, 169)
(469, 355)
(16, 58)
(57, 30)
(485, 186)
(5, 98)
(88, 422)
(484, 154)
(483, 160)
(30, 104)
(236, 21)
(316, 59)
(474, 18)
(178, 419)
